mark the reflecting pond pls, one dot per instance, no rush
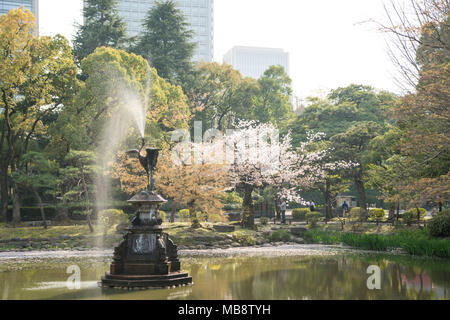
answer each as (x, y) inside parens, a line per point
(340, 276)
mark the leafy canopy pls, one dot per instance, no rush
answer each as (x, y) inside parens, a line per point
(102, 27)
(166, 42)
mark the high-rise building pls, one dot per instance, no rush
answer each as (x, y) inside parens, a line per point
(199, 13)
(32, 5)
(253, 61)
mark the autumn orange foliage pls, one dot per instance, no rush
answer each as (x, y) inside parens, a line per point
(198, 187)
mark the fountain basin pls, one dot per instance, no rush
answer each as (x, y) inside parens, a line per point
(146, 281)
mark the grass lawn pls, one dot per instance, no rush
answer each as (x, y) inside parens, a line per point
(8, 232)
(181, 232)
(412, 240)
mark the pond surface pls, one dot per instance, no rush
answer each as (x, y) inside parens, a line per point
(297, 275)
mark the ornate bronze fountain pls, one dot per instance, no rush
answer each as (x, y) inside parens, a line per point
(147, 257)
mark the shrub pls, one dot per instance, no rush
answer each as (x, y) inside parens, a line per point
(196, 218)
(110, 217)
(232, 207)
(313, 218)
(321, 236)
(280, 235)
(162, 215)
(245, 239)
(214, 217)
(232, 201)
(377, 215)
(410, 216)
(439, 226)
(299, 214)
(184, 215)
(195, 224)
(200, 216)
(264, 221)
(356, 214)
(414, 242)
(33, 213)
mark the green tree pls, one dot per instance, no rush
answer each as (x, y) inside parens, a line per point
(371, 105)
(352, 146)
(37, 78)
(388, 170)
(341, 109)
(102, 27)
(219, 95)
(421, 34)
(38, 176)
(273, 101)
(166, 42)
(78, 177)
(116, 80)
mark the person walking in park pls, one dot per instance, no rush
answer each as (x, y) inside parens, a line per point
(283, 208)
(344, 208)
(312, 206)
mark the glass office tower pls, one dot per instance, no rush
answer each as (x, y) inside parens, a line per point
(253, 61)
(199, 13)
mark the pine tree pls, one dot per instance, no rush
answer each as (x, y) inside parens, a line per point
(102, 27)
(166, 42)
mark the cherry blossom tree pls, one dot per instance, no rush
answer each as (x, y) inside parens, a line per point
(259, 158)
(255, 156)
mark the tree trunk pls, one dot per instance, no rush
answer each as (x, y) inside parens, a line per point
(87, 200)
(391, 216)
(266, 208)
(173, 212)
(398, 210)
(41, 206)
(62, 214)
(16, 205)
(277, 210)
(328, 205)
(418, 216)
(4, 193)
(248, 212)
(359, 184)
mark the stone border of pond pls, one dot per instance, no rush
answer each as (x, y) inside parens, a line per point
(268, 236)
(261, 251)
(188, 239)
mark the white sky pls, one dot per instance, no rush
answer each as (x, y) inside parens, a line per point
(328, 45)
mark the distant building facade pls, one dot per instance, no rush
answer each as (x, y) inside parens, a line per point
(32, 5)
(253, 61)
(199, 13)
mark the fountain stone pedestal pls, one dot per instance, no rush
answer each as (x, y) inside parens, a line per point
(147, 257)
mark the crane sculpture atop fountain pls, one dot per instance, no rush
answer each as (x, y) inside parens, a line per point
(148, 162)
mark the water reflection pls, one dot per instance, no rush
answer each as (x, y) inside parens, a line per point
(296, 278)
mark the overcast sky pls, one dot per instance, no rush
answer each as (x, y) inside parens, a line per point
(328, 45)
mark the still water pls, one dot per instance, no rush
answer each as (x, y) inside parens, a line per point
(340, 276)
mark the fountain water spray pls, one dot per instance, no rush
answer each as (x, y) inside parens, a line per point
(130, 112)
